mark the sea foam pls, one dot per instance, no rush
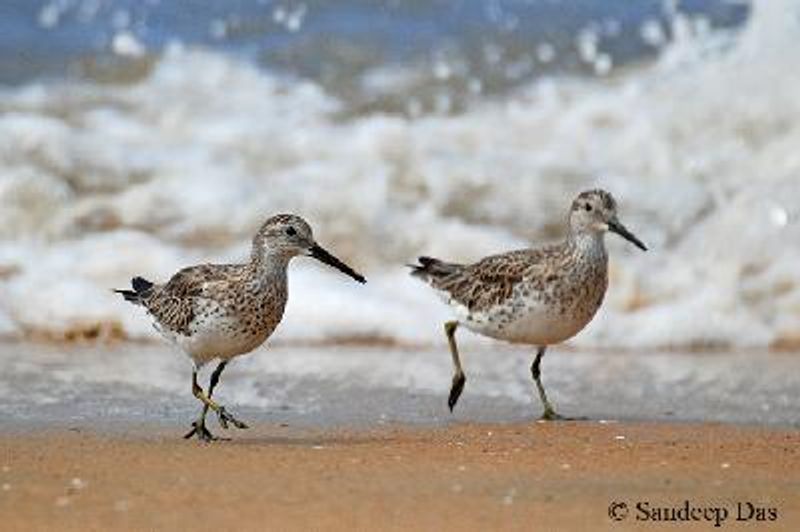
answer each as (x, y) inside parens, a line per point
(103, 182)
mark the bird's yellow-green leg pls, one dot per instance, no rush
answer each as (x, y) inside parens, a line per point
(199, 426)
(222, 415)
(459, 379)
(549, 412)
(211, 385)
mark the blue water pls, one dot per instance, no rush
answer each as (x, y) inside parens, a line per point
(492, 44)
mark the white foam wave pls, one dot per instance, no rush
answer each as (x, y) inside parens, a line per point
(103, 182)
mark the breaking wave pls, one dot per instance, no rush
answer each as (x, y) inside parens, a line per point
(101, 182)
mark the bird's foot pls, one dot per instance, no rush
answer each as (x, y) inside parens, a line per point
(455, 390)
(550, 414)
(200, 431)
(224, 418)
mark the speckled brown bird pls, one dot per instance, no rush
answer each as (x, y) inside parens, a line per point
(540, 296)
(221, 311)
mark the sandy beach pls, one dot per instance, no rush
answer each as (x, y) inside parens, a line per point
(522, 476)
(359, 437)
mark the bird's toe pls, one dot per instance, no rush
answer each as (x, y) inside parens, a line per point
(201, 432)
(551, 415)
(226, 418)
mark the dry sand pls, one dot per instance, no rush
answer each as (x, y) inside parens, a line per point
(557, 476)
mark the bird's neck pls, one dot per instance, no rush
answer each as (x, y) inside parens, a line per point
(270, 266)
(589, 245)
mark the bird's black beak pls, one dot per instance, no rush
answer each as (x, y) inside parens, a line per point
(620, 229)
(319, 253)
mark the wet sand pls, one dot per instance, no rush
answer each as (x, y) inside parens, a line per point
(519, 476)
(64, 385)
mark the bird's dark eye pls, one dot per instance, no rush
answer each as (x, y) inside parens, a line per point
(588, 207)
(291, 231)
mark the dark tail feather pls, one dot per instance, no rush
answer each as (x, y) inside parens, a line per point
(140, 288)
(140, 284)
(429, 267)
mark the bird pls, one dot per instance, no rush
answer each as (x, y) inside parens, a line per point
(222, 311)
(538, 296)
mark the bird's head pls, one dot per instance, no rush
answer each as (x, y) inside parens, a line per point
(595, 211)
(288, 235)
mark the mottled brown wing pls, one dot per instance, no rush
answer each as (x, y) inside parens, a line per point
(173, 303)
(491, 280)
(482, 284)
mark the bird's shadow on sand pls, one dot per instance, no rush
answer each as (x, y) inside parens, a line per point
(295, 438)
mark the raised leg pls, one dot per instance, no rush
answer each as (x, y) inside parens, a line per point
(549, 412)
(199, 426)
(458, 373)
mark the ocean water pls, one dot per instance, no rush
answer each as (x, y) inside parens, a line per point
(139, 137)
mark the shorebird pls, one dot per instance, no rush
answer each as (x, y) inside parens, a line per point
(221, 311)
(540, 296)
